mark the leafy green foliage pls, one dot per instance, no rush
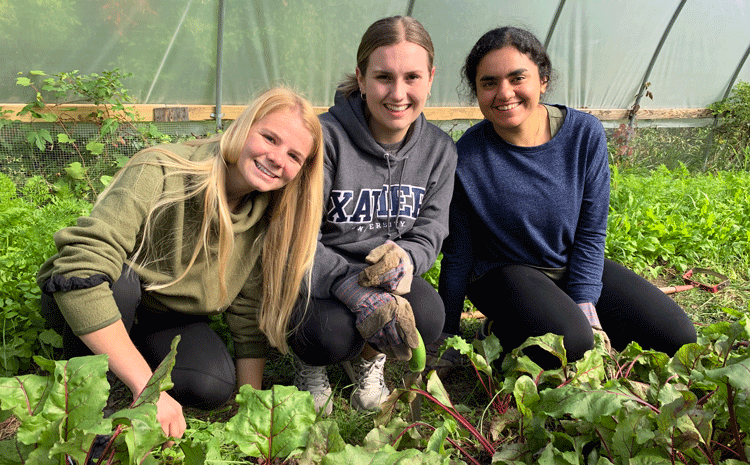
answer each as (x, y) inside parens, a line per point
(640, 407)
(271, 423)
(87, 150)
(678, 219)
(433, 274)
(733, 128)
(61, 413)
(27, 224)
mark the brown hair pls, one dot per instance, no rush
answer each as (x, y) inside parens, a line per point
(385, 32)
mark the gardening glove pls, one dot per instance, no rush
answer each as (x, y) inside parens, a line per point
(390, 268)
(383, 319)
(591, 315)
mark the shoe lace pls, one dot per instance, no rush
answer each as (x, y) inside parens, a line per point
(311, 377)
(370, 373)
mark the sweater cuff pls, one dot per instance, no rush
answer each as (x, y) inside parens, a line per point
(251, 350)
(589, 311)
(60, 283)
(88, 310)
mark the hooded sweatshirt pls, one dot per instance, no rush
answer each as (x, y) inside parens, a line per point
(91, 254)
(373, 194)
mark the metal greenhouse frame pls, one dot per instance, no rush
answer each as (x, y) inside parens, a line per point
(621, 60)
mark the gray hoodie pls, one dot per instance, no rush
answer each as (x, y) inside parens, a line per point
(372, 195)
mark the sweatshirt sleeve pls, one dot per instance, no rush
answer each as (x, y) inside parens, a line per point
(91, 253)
(458, 260)
(587, 257)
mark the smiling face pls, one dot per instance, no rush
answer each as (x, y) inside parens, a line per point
(396, 84)
(274, 152)
(508, 92)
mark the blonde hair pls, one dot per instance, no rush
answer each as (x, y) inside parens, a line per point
(294, 212)
(385, 32)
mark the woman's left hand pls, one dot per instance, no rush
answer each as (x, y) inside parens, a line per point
(605, 339)
(390, 269)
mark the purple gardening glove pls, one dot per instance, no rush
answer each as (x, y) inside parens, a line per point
(591, 315)
(390, 268)
(383, 319)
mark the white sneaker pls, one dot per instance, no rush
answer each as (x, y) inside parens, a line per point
(370, 390)
(314, 380)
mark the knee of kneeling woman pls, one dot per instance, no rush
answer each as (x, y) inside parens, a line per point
(429, 333)
(201, 391)
(576, 347)
(205, 390)
(680, 334)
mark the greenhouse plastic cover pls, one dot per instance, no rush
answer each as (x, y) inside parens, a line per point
(600, 50)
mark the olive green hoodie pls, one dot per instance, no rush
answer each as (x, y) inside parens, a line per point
(91, 254)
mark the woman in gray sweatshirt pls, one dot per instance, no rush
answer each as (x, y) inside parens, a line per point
(388, 184)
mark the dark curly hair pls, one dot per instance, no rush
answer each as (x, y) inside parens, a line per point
(523, 40)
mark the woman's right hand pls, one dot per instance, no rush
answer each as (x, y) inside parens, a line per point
(383, 319)
(128, 364)
(170, 416)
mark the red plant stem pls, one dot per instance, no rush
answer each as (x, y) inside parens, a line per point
(25, 396)
(459, 418)
(704, 452)
(733, 424)
(487, 387)
(632, 364)
(18, 449)
(705, 398)
(453, 443)
(109, 447)
(722, 446)
(606, 446)
(674, 451)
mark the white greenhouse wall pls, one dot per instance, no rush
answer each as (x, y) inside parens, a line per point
(600, 49)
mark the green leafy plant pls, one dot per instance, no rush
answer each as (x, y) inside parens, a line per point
(733, 129)
(61, 414)
(640, 407)
(84, 158)
(680, 220)
(27, 224)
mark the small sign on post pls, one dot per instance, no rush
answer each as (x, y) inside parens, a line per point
(168, 114)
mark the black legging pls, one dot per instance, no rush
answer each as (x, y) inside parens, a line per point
(326, 332)
(203, 374)
(522, 301)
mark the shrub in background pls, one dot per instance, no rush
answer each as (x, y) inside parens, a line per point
(27, 223)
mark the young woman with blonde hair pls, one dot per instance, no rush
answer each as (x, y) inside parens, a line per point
(184, 231)
(388, 183)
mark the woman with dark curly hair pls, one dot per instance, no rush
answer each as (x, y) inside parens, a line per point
(528, 218)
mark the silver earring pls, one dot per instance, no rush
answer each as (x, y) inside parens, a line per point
(364, 97)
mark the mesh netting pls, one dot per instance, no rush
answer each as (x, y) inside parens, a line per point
(42, 150)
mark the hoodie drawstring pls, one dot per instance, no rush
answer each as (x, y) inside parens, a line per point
(388, 156)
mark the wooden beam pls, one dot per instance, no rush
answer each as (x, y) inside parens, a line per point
(145, 112)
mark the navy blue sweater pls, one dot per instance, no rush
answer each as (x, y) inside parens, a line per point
(544, 206)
